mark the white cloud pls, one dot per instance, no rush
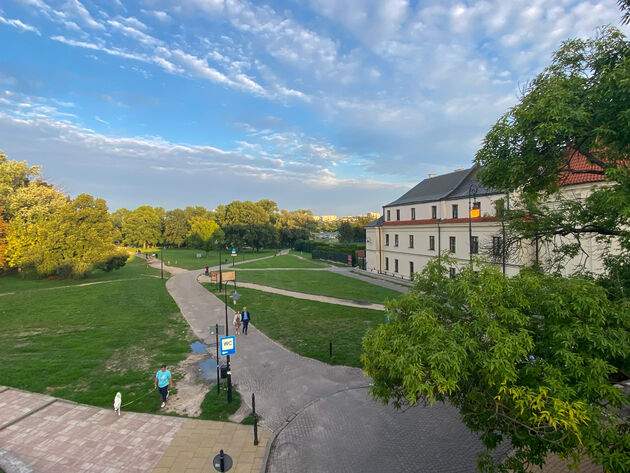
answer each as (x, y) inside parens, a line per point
(19, 25)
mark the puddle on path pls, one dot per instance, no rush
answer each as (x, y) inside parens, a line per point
(198, 347)
(208, 370)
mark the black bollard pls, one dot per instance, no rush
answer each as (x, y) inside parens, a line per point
(255, 419)
(221, 461)
(330, 348)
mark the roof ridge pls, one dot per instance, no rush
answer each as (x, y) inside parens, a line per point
(468, 174)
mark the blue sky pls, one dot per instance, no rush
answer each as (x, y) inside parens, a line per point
(336, 106)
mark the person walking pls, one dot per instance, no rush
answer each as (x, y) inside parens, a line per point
(245, 317)
(164, 382)
(237, 323)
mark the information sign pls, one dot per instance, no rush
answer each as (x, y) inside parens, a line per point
(227, 345)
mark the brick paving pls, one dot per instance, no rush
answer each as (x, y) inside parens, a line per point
(50, 435)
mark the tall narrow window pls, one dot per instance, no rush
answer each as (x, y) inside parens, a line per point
(386, 264)
(397, 214)
(434, 211)
(497, 246)
(413, 213)
(411, 268)
(451, 244)
(432, 243)
(451, 272)
(389, 215)
(410, 241)
(395, 265)
(395, 240)
(455, 211)
(387, 239)
(474, 244)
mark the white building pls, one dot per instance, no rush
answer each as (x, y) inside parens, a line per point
(433, 217)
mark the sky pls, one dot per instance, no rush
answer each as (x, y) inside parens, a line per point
(335, 106)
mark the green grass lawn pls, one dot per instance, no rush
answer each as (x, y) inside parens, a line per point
(284, 261)
(307, 327)
(324, 283)
(85, 343)
(187, 258)
(215, 405)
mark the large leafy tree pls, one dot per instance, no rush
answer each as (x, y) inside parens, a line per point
(203, 234)
(176, 227)
(527, 360)
(77, 238)
(3, 240)
(241, 213)
(578, 108)
(142, 227)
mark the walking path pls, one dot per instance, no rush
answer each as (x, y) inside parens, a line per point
(323, 418)
(42, 434)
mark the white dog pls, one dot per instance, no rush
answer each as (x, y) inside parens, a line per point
(117, 403)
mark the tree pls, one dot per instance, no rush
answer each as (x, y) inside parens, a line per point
(176, 227)
(270, 208)
(14, 175)
(118, 217)
(527, 360)
(142, 227)
(241, 213)
(624, 5)
(3, 239)
(76, 239)
(577, 109)
(202, 234)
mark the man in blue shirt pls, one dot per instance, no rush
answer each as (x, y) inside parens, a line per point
(164, 382)
(245, 318)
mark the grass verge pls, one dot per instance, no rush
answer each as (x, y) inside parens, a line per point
(284, 261)
(323, 283)
(186, 258)
(306, 327)
(84, 342)
(216, 407)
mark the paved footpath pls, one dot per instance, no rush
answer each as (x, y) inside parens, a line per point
(42, 434)
(323, 418)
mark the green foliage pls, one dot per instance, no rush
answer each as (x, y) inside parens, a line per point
(176, 227)
(579, 104)
(528, 360)
(215, 406)
(142, 227)
(203, 234)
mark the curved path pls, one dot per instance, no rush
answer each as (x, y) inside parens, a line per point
(322, 415)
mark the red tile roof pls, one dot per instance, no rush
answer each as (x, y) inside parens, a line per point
(579, 162)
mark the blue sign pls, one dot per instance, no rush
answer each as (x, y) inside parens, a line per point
(227, 345)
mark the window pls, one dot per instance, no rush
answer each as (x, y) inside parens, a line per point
(397, 214)
(395, 240)
(432, 243)
(434, 211)
(451, 244)
(410, 241)
(387, 239)
(497, 246)
(474, 244)
(455, 211)
(413, 213)
(451, 272)
(410, 268)
(395, 265)
(386, 264)
(389, 215)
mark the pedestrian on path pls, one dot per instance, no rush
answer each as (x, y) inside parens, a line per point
(237, 323)
(245, 317)
(164, 382)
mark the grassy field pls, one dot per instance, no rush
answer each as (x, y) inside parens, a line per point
(84, 341)
(187, 258)
(307, 327)
(324, 283)
(216, 407)
(284, 261)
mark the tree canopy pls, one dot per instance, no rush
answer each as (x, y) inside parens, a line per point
(571, 124)
(528, 360)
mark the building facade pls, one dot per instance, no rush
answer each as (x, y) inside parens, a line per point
(455, 213)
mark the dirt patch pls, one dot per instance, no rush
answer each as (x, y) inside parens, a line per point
(191, 389)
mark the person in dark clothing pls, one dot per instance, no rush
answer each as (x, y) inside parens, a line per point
(245, 318)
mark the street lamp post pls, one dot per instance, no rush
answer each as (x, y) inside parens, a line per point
(162, 262)
(229, 372)
(473, 212)
(216, 242)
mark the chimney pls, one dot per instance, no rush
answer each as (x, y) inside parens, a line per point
(431, 176)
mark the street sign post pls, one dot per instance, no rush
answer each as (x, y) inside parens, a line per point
(227, 345)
